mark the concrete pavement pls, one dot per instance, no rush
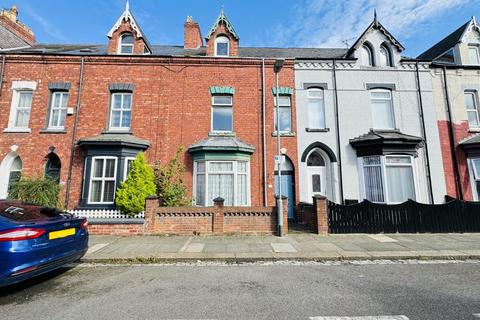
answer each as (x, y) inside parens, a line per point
(299, 246)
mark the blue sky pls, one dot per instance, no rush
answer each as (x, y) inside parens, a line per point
(417, 24)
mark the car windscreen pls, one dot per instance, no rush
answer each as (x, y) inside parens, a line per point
(20, 211)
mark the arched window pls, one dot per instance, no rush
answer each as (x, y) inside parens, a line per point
(126, 43)
(385, 56)
(15, 172)
(367, 55)
(315, 160)
(53, 167)
(222, 46)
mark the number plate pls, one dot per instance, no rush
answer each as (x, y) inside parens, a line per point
(61, 234)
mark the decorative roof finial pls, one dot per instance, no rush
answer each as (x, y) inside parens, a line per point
(222, 12)
(127, 5)
(375, 20)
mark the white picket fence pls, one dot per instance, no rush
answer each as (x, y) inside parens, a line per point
(105, 214)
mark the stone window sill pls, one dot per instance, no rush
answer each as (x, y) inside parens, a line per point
(54, 131)
(284, 134)
(317, 130)
(113, 131)
(221, 134)
(17, 130)
(474, 130)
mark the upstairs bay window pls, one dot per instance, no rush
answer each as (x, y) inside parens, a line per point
(58, 110)
(316, 109)
(229, 180)
(222, 113)
(382, 109)
(120, 111)
(222, 46)
(388, 179)
(126, 44)
(285, 114)
(472, 109)
(103, 180)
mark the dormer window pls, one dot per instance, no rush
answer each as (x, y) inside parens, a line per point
(126, 43)
(367, 55)
(474, 55)
(385, 56)
(222, 46)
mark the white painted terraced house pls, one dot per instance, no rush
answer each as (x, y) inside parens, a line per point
(367, 124)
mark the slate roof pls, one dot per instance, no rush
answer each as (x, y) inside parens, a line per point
(221, 143)
(378, 136)
(445, 44)
(8, 39)
(179, 51)
(115, 139)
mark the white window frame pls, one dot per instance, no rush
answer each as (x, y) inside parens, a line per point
(209, 202)
(477, 53)
(474, 177)
(112, 104)
(321, 100)
(392, 109)
(63, 95)
(103, 179)
(475, 110)
(130, 45)
(222, 39)
(221, 105)
(275, 125)
(371, 55)
(388, 56)
(125, 169)
(384, 165)
(17, 88)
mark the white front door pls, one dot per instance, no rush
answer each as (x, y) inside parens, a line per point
(317, 181)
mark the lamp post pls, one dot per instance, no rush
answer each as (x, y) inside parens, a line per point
(276, 68)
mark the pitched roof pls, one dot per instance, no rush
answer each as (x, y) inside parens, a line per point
(222, 18)
(8, 39)
(377, 26)
(376, 136)
(445, 44)
(221, 143)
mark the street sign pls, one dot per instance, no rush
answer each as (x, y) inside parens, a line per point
(279, 159)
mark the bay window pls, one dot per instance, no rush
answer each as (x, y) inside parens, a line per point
(388, 179)
(285, 114)
(226, 179)
(222, 113)
(58, 110)
(103, 180)
(316, 109)
(382, 109)
(120, 111)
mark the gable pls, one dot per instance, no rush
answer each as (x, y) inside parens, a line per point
(222, 19)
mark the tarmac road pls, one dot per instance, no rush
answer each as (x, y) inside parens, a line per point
(283, 290)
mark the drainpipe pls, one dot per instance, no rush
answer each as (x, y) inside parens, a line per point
(74, 134)
(264, 142)
(456, 172)
(337, 131)
(424, 133)
(2, 74)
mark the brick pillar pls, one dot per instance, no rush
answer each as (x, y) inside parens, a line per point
(321, 214)
(218, 215)
(151, 205)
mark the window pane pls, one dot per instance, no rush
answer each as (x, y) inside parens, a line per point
(399, 160)
(110, 168)
(127, 39)
(220, 185)
(64, 100)
(126, 119)
(478, 189)
(316, 116)
(316, 183)
(242, 166)
(56, 100)
(241, 191)
(54, 117)
(381, 95)
(367, 59)
(375, 160)
(127, 101)
(222, 119)
(476, 170)
(108, 191)
(98, 168)
(285, 119)
(220, 166)
(315, 93)
(222, 100)
(400, 185)
(315, 160)
(22, 118)
(472, 118)
(96, 192)
(63, 115)
(222, 49)
(473, 55)
(116, 119)
(470, 100)
(373, 179)
(200, 190)
(117, 101)
(25, 100)
(382, 114)
(284, 101)
(200, 166)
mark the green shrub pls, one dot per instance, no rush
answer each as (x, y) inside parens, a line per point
(171, 188)
(40, 190)
(130, 196)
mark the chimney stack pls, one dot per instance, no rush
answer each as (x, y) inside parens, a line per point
(9, 20)
(192, 37)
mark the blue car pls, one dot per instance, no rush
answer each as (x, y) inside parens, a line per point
(35, 240)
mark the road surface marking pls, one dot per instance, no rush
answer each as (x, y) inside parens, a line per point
(381, 238)
(97, 247)
(187, 243)
(195, 247)
(282, 247)
(476, 315)
(362, 318)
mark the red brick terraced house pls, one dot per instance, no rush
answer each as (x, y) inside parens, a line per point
(80, 113)
(455, 72)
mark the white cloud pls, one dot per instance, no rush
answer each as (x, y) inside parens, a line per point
(328, 23)
(47, 27)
